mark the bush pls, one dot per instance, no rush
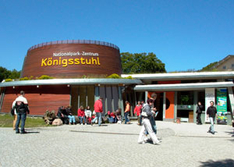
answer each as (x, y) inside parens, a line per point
(45, 77)
(114, 76)
(129, 77)
(8, 80)
(23, 79)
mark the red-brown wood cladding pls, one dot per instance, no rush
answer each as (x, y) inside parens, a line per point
(39, 99)
(109, 59)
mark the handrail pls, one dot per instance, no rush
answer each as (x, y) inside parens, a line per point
(74, 42)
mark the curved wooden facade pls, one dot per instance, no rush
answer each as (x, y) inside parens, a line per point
(71, 59)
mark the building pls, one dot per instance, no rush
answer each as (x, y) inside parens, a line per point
(80, 68)
(179, 93)
(226, 64)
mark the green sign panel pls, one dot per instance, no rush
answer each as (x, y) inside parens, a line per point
(222, 105)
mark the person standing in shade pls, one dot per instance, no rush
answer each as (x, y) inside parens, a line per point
(21, 106)
(126, 112)
(146, 115)
(199, 112)
(98, 110)
(137, 111)
(211, 113)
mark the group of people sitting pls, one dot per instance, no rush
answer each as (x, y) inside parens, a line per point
(114, 117)
(86, 116)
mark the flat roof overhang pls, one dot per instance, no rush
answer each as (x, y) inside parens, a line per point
(72, 82)
(183, 76)
(183, 87)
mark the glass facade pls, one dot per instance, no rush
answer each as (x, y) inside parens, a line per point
(87, 95)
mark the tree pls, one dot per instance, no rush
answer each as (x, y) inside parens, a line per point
(209, 67)
(141, 63)
(15, 74)
(7, 74)
(4, 73)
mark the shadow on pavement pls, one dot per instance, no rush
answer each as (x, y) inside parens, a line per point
(32, 132)
(223, 163)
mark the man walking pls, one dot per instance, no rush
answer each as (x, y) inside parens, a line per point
(21, 106)
(126, 112)
(146, 115)
(98, 109)
(199, 112)
(211, 113)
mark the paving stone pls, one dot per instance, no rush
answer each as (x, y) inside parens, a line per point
(185, 144)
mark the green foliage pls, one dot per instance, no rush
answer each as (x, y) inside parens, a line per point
(6, 120)
(141, 63)
(23, 79)
(129, 77)
(45, 77)
(114, 76)
(8, 80)
(184, 99)
(14, 74)
(209, 67)
(4, 74)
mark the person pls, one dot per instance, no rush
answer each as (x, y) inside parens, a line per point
(88, 114)
(146, 114)
(111, 117)
(21, 106)
(81, 115)
(199, 112)
(126, 112)
(94, 118)
(62, 114)
(154, 110)
(98, 109)
(72, 119)
(137, 111)
(211, 113)
(118, 116)
(14, 114)
(142, 104)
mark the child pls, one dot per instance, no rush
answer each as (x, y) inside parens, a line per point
(81, 115)
(88, 114)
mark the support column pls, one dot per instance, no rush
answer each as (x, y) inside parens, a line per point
(121, 100)
(195, 101)
(146, 96)
(164, 105)
(175, 106)
(231, 99)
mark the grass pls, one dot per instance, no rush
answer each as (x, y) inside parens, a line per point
(6, 120)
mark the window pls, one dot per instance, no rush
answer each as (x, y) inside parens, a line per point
(232, 66)
(224, 67)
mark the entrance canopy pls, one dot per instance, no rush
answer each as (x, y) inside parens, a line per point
(183, 86)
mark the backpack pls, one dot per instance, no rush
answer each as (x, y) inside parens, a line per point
(143, 113)
(21, 107)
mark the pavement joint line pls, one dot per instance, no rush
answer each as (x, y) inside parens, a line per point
(204, 136)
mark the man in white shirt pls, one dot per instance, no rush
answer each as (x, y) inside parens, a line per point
(21, 107)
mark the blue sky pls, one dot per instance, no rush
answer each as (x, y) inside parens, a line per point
(184, 34)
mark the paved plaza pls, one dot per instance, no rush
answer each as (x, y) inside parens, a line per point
(185, 144)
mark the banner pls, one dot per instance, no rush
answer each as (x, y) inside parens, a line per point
(222, 105)
(209, 96)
